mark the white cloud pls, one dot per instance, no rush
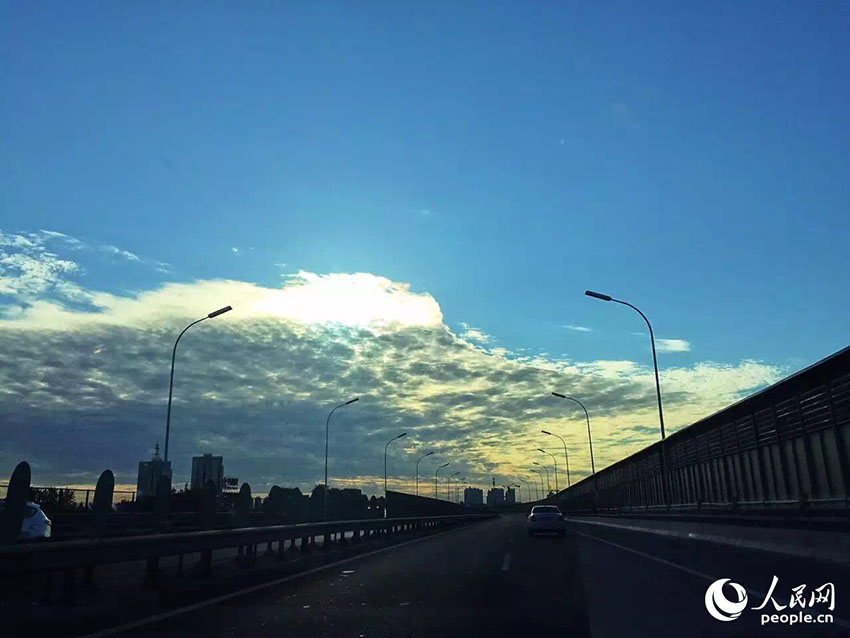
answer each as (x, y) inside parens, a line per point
(126, 254)
(578, 328)
(235, 250)
(672, 345)
(474, 334)
(28, 270)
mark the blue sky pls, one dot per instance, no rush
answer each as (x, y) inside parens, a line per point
(498, 157)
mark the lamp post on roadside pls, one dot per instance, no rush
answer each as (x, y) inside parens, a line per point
(566, 455)
(587, 419)
(212, 315)
(540, 476)
(527, 478)
(436, 496)
(603, 297)
(555, 461)
(395, 438)
(527, 491)
(448, 481)
(548, 484)
(417, 469)
(459, 480)
(327, 432)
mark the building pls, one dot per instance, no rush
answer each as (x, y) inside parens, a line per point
(495, 496)
(208, 468)
(510, 496)
(473, 497)
(150, 473)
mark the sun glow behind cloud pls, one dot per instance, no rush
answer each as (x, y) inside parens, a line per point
(358, 299)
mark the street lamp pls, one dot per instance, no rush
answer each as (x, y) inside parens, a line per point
(548, 484)
(395, 438)
(527, 478)
(527, 491)
(566, 456)
(540, 476)
(540, 449)
(327, 430)
(599, 295)
(212, 315)
(587, 418)
(417, 469)
(435, 478)
(457, 487)
(449, 480)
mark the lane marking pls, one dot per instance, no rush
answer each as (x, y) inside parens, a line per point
(506, 562)
(693, 572)
(111, 631)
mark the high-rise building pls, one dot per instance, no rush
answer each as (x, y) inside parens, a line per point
(207, 468)
(473, 496)
(510, 496)
(495, 496)
(150, 473)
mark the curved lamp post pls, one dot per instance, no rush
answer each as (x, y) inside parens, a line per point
(395, 438)
(555, 461)
(546, 469)
(599, 295)
(587, 418)
(448, 481)
(459, 480)
(526, 478)
(566, 455)
(603, 297)
(417, 469)
(327, 430)
(540, 476)
(435, 478)
(212, 315)
(527, 491)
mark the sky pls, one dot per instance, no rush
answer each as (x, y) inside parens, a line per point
(405, 202)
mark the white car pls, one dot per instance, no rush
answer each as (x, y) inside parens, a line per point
(35, 523)
(546, 518)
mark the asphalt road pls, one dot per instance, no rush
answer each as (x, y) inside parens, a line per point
(491, 579)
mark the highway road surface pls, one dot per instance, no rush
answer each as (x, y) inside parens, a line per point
(490, 578)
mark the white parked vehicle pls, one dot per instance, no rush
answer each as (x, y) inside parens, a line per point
(546, 518)
(35, 523)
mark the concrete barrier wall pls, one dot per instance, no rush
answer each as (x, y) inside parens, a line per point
(785, 447)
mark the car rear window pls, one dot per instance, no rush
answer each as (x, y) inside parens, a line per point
(545, 509)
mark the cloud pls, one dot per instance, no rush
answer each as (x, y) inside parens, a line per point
(32, 272)
(474, 334)
(126, 254)
(672, 345)
(235, 250)
(578, 328)
(256, 385)
(29, 270)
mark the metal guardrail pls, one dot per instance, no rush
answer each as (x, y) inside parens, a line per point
(68, 556)
(785, 448)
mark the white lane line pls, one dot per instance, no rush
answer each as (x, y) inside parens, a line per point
(693, 572)
(111, 631)
(506, 562)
